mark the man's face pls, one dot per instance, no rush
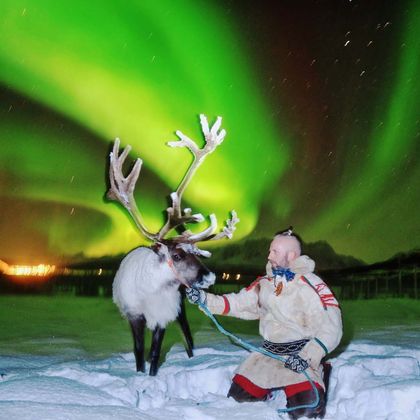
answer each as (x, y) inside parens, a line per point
(278, 253)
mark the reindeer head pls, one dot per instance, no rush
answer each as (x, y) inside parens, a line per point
(180, 251)
(185, 267)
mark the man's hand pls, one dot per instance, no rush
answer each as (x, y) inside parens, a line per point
(195, 296)
(313, 353)
(296, 363)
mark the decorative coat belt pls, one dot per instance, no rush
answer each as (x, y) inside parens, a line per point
(292, 347)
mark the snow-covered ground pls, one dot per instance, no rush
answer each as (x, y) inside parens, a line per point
(371, 379)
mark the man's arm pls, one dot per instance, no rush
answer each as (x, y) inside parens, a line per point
(325, 316)
(243, 304)
(326, 338)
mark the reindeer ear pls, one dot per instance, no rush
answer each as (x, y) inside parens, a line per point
(161, 250)
(155, 247)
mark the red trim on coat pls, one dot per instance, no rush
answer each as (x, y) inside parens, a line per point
(327, 299)
(253, 284)
(227, 305)
(294, 389)
(249, 386)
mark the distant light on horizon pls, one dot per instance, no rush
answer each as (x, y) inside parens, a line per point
(40, 270)
(45, 270)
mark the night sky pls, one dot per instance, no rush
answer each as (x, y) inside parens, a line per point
(320, 100)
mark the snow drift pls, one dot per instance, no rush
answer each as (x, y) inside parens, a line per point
(369, 381)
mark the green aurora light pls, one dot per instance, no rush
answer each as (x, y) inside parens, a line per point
(372, 196)
(75, 75)
(134, 72)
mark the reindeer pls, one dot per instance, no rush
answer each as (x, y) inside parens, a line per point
(146, 285)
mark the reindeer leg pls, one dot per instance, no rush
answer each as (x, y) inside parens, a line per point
(137, 328)
(157, 339)
(183, 322)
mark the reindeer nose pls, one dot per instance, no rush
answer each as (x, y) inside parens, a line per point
(203, 272)
(205, 279)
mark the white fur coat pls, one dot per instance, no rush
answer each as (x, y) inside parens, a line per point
(304, 309)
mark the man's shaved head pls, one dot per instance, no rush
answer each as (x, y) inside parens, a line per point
(284, 248)
(290, 242)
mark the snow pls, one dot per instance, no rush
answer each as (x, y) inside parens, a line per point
(371, 379)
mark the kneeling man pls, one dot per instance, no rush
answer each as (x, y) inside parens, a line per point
(300, 320)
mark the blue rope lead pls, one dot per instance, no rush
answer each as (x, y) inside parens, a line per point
(250, 347)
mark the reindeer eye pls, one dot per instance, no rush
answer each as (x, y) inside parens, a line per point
(177, 257)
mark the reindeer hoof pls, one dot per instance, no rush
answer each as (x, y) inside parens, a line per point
(141, 369)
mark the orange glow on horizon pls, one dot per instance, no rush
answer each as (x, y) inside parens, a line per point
(40, 270)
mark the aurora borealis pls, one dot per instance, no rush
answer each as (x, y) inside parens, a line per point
(320, 100)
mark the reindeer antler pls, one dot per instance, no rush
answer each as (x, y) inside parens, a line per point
(208, 234)
(213, 138)
(122, 189)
